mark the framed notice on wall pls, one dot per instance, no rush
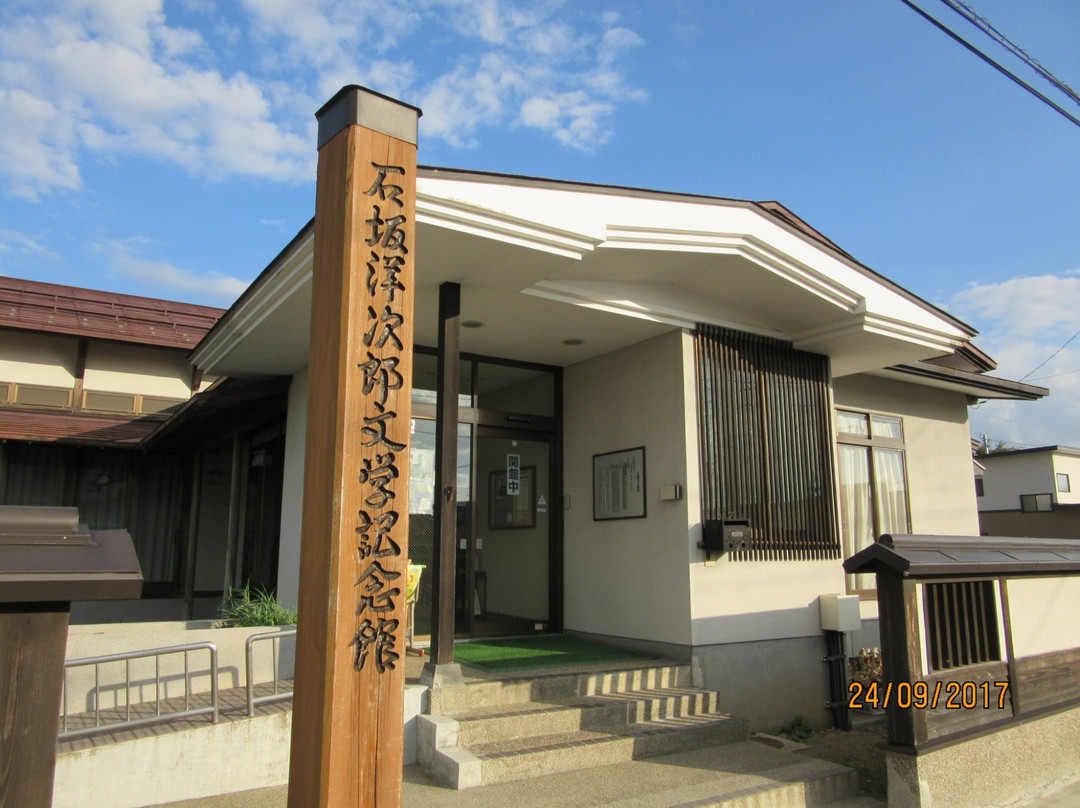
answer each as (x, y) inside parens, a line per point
(619, 484)
(508, 510)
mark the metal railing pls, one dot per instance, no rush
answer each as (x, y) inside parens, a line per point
(128, 722)
(274, 638)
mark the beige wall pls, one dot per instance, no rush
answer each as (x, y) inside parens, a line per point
(33, 358)
(628, 577)
(1041, 612)
(49, 360)
(137, 369)
(937, 449)
(1067, 464)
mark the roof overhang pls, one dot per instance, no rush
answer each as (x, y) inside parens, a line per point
(977, 385)
(541, 262)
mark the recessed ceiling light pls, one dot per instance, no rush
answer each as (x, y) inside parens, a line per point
(573, 341)
(471, 324)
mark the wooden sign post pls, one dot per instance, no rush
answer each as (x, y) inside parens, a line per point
(347, 740)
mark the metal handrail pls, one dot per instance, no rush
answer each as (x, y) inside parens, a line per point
(273, 636)
(158, 716)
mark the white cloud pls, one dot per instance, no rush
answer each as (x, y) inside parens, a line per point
(1029, 305)
(12, 241)
(236, 96)
(116, 82)
(163, 279)
(1024, 321)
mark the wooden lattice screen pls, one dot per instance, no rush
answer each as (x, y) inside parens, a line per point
(766, 444)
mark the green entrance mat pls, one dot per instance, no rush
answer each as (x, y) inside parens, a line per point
(538, 652)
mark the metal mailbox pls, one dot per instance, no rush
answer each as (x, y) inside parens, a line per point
(725, 536)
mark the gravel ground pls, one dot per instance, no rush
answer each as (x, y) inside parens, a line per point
(859, 748)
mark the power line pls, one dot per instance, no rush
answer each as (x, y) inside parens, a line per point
(1054, 375)
(969, 14)
(1055, 353)
(989, 61)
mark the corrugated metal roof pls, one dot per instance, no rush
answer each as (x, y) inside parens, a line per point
(50, 307)
(50, 427)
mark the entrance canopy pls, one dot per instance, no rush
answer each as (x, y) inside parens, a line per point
(560, 272)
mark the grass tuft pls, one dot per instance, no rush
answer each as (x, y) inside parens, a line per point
(244, 608)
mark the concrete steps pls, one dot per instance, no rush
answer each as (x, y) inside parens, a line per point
(503, 730)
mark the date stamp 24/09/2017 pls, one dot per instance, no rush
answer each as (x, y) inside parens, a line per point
(923, 696)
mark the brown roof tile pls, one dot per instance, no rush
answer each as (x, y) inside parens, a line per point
(38, 306)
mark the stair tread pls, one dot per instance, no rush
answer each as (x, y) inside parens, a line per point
(499, 710)
(540, 743)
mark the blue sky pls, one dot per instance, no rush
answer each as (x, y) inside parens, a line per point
(168, 148)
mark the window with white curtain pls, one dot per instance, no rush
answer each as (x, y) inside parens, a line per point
(873, 483)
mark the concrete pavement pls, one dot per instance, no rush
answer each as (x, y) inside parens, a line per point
(736, 769)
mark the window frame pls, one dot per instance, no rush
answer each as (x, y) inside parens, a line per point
(870, 442)
(1060, 478)
(1040, 499)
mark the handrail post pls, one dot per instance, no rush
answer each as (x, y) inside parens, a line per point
(213, 683)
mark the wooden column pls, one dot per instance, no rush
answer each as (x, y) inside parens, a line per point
(446, 466)
(901, 658)
(347, 743)
(33, 640)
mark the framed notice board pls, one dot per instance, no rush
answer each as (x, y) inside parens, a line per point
(619, 484)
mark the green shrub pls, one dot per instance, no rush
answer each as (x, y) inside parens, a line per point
(244, 608)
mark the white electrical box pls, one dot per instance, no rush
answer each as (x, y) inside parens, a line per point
(840, 613)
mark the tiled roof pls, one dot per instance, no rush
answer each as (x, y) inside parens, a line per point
(57, 309)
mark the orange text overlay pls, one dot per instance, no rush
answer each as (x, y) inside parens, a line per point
(926, 696)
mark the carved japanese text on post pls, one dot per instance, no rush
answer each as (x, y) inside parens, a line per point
(380, 585)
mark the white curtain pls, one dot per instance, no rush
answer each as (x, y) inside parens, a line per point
(891, 494)
(856, 516)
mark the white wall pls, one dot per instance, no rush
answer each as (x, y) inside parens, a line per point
(628, 577)
(941, 482)
(292, 492)
(1008, 476)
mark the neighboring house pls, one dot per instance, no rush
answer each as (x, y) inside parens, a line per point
(1030, 492)
(656, 362)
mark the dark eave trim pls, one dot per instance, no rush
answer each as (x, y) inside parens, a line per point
(978, 382)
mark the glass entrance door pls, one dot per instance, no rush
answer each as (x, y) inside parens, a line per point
(502, 580)
(511, 548)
